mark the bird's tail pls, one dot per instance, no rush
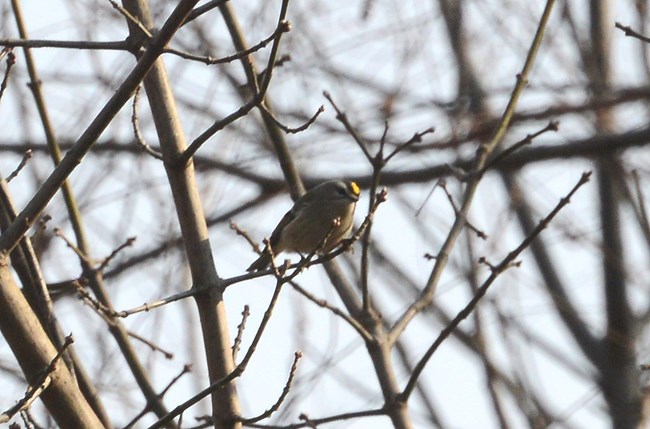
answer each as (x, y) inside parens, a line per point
(260, 263)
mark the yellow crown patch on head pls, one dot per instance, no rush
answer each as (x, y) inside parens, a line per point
(355, 188)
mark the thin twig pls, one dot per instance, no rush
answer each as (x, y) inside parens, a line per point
(135, 123)
(243, 233)
(479, 233)
(285, 391)
(59, 233)
(417, 138)
(23, 162)
(551, 126)
(642, 213)
(11, 60)
(498, 268)
(240, 331)
(429, 195)
(631, 33)
(127, 15)
(308, 422)
(26, 401)
(146, 410)
(314, 423)
(268, 248)
(107, 260)
(102, 310)
(290, 130)
(186, 369)
(155, 304)
(341, 117)
(119, 45)
(199, 11)
(283, 27)
(324, 304)
(151, 345)
(91, 262)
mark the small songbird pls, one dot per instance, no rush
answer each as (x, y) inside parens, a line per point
(318, 221)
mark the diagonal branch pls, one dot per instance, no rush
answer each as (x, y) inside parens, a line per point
(482, 290)
(51, 185)
(479, 163)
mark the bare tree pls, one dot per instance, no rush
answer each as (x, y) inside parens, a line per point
(496, 273)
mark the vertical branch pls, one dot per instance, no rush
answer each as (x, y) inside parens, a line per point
(182, 180)
(289, 168)
(619, 378)
(377, 165)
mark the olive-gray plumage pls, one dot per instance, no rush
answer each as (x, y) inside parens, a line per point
(325, 209)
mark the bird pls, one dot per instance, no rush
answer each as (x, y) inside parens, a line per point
(317, 222)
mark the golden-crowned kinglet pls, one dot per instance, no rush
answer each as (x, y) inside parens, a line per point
(318, 221)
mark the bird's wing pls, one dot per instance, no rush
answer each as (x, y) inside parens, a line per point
(275, 235)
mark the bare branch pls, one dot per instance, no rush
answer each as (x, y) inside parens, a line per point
(107, 260)
(482, 290)
(11, 60)
(240, 331)
(552, 126)
(59, 233)
(155, 304)
(132, 19)
(136, 128)
(152, 346)
(283, 395)
(297, 129)
(23, 162)
(417, 138)
(66, 44)
(457, 212)
(341, 117)
(186, 370)
(631, 33)
(246, 235)
(283, 27)
(337, 311)
(203, 9)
